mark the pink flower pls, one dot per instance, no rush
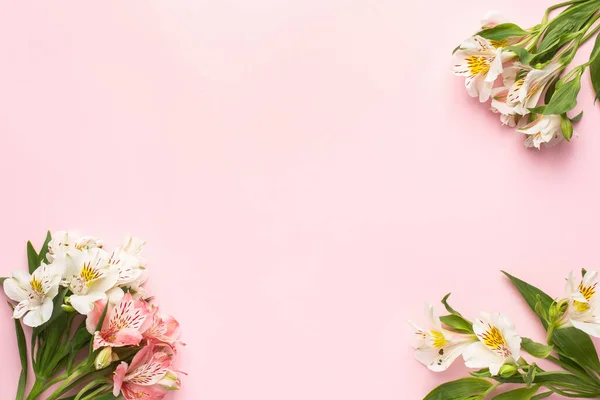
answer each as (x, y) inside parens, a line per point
(163, 329)
(144, 378)
(123, 325)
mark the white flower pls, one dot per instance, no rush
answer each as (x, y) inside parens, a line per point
(529, 84)
(492, 19)
(498, 343)
(89, 275)
(544, 129)
(129, 261)
(70, 242)
(481, 63)
(34, 293)
(437, 348)
(583, 310)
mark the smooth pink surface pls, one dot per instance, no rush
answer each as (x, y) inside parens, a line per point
(307, 174)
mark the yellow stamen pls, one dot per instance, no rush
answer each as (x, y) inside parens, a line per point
(36, 285)
(89, 274)
(478, 65)
(493, 338)
(439, 340)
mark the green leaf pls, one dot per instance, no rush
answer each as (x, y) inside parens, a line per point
(566, 127)
(595, 68)
(482, 373)
(502, 31)
(2, 280)
(518, 394)
(459, 388)
(530, 294)
(32, 258)
(550, 91)
(521, 52)
(457, 323)
(22, 343)
(537, 350)
(567, 22)
(448, 307)
(578, 346)
(542, 396)
(44, 249)
(575, 119)
(564, 98)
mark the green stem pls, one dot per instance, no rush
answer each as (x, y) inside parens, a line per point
(89, 387)
(491, 389)
(94, 394)
(559, 5)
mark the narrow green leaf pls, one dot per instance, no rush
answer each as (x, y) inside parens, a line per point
(537, 350)
(567, 22)
(564, 98)
(459, 388)
(518, 394)
(448, 307)
(44, 249)
(457, 323)
(595, 68)
(32, 258)
(578, 346)
(575, 119)
(542, 396)
(482, 373)
(551, 89)
(502, 31)
(530, 294)
(22, 343)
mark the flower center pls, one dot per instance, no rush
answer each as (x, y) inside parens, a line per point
(581, 306)
(587, 291)
(495, 341)
(36, 286)
(478, 65)
(438, 339)
(89, 273)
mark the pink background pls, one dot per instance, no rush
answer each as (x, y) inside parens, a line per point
(307, 174)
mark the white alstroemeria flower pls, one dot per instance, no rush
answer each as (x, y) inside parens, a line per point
(498, 343)
(129, 261)
(583, 310)
(89, 275)
(481, 63)
(529, 85)
(500, 104)
(34, 293)
(70, 242)
(492, 19)
(437, 348)
(544, 129)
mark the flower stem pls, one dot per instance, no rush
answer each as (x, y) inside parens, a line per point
(101, 390)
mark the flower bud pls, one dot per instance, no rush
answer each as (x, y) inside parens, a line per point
(104, 358)
(508, 370)
(67, 308)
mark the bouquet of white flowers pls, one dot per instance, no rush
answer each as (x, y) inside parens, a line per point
(522, 71)
(491, 345)
(94, 330)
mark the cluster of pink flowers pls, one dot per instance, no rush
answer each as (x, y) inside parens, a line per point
(135, 322)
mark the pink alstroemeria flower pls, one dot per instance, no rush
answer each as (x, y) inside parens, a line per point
(142, 380)
(124, 323)
(163, 329)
